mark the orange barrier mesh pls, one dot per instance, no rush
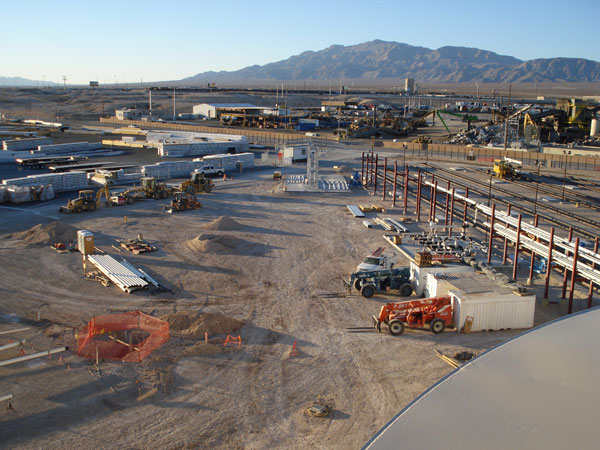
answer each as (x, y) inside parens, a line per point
(107, 335)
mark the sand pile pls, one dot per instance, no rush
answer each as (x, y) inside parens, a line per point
(224, 244)
(224, 224)
(47, 234)
(194, 325)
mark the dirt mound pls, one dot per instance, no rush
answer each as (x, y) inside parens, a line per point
(224, 244)
(194, 325)
(47, 234)
(224, 224)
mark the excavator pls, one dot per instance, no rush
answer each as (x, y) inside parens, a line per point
(464, 117)
(87, 201)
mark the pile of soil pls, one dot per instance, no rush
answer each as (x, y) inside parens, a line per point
(224, 224)
(47, 234)
(194, 325)
(224, 244)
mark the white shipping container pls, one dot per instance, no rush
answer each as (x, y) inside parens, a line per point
(493, 310)
(418, 275)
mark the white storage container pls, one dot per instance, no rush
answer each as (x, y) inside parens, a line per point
(418, 275)
(495, 310)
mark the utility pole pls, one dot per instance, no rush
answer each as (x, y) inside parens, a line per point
(507, 114)
(150, 100)
(64, 78)
(173, 104)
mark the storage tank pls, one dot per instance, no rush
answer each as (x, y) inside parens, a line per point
(85, 242)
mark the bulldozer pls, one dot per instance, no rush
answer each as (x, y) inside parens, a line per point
(183, 201)
(87, 201)
(198, 182)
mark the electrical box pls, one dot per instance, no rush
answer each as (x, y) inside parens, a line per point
(85, 242)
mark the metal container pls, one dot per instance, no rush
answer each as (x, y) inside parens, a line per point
(418, 275)
(85, 242)
(493, 310)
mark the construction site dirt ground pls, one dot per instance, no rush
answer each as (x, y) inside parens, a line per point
(255, 261)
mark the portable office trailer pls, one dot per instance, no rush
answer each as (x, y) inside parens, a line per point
(418, 275)
(296, 153)
(497, 309)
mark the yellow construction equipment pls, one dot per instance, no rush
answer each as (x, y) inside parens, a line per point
(198, 182)
(506, 170)
(183, 201)
(87, 201)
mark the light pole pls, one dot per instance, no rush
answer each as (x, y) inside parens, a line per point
(491, 170)
(566, 153)
(537, 186)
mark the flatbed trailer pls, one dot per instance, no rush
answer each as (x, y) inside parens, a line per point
(42, 162)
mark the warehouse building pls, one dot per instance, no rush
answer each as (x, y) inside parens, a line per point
(215, 110)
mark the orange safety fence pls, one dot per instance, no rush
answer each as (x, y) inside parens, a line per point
(106, 336)
(233, 340)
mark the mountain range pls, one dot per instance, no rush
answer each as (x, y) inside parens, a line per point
(393, 60)
(18, 81)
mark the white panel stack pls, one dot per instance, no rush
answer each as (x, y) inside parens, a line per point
(229, 161)
(3, 194)
(171, 169)
(200, 148)
(72, 147)
(25, 144)
(19, 194)
(61, 182)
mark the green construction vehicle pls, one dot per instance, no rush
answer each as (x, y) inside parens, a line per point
(368, 283)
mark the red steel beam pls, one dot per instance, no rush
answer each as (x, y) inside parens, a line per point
(549, 263)
(591, 292)
(384, 176)
(535, 224)
(566, 272)
(505, 252)
(375, 174)
(452, 212)
(493, 219)
(406, 188)
(466, 204)
(516, 261)
(362, 169)
(447, 203)
(573, 276)
(395, 181)
(419, 187)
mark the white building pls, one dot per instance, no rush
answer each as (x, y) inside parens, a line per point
(128, 114)
(214, 110)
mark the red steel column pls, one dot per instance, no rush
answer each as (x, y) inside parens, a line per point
(405, 188)
(493, 219)
(395, 181)
(447, 203)
(516, 261)
(452, 211)
(465, 212)
(573, 276)
(419, 183)
(504, 254)
(566, 273)
(384, 176)
(434, 200)
(589, 302)
(535, 224)
(362, 169)
(549, 262)
(375, 174)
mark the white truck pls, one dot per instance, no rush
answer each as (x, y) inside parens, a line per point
(377, 261)
(210, 171)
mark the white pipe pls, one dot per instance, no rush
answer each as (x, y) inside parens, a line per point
(6, 397)
(13, 344)
(33, 356)
(14, 331)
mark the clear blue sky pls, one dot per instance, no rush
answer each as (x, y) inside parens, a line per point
(159, 40)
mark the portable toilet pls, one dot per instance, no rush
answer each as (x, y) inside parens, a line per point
(85, 242)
